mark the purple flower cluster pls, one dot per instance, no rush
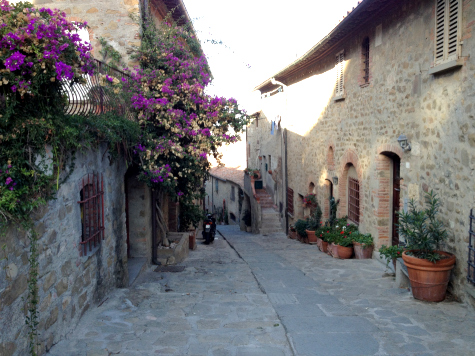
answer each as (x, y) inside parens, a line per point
(15, 61)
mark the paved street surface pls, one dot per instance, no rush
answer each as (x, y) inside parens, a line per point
(254, 295)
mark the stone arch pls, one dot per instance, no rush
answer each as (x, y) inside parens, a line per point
(350, 158)
(89, 30)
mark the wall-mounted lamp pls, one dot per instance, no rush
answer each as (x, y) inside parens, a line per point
(403, 143)
(335, 180)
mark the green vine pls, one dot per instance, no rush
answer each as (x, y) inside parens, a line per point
(110, 55)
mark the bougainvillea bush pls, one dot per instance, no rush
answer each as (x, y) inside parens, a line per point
(181, 124)
(39, 50)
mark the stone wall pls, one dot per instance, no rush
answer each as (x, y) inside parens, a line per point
(327, 136)
(69, 281)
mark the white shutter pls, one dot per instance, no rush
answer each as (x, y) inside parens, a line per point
(339, 61)
(440, 31)
(447, 30)
(453, 20)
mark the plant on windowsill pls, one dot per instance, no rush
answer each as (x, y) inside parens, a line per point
(363, 245)
(428, 267)
(310, 200)
(253, 172)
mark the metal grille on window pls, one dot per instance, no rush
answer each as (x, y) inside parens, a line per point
(447, 30)
(353, 200)
(290, 201)
(92, 211)
(340, 59)
(471, 251)
(365, 53)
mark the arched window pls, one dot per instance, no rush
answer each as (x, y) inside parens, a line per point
(365, 58)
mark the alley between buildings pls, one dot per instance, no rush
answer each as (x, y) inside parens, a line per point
(269, 296)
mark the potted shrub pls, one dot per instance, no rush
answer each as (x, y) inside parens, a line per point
(300, 227)
(428, 267)
(313, 224)
(363, 245)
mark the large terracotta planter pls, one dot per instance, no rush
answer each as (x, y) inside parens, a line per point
(362, 251)
(429, 280)
(311, 236)
(344, 252)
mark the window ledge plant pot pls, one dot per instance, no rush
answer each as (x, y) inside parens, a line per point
(429, 280)
(363, 251)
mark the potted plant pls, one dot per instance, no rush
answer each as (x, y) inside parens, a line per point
(390, 253)
(363, 245)
(428, 267)
(310, 200)
(313, 224)
(292, 232)
(300, 227)
(344, 245)
(323, 236)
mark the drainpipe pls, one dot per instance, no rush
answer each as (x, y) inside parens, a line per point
(284, 134)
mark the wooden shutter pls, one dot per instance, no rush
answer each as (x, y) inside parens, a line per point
(453, 20)
(339, 60)
(290, 201)
(447, 23)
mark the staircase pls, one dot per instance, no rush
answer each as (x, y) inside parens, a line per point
(270, 221)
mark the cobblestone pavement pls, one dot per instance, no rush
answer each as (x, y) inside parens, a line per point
(269, 296)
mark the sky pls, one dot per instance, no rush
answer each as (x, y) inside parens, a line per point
(259, 37)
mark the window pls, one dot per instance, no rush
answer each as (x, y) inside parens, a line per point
(353, 200)
(233, 194)
(290, 201)
(92, 210)
(447, 30)
(365, 58)
(340, 60)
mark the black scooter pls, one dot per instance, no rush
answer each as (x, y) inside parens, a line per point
(209, 229)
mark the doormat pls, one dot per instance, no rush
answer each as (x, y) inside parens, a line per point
(169, 269)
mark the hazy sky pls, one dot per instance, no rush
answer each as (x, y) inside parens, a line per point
(259, 37)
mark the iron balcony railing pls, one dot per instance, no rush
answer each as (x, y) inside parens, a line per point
(96, 97)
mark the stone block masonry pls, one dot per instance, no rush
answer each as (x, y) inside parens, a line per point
(69, 282)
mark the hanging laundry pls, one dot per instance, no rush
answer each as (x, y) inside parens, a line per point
(272, 127)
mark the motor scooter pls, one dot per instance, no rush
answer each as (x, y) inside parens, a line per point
(209, 228)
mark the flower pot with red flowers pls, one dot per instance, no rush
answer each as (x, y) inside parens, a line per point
(292, 232)
(344, 247)
(428, 268)
(363, 245)
(310, 201)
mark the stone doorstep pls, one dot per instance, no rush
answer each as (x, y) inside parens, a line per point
(179, 253)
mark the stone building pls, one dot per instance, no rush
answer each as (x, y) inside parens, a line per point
(102, 221)
(224, 191)
(340, 112)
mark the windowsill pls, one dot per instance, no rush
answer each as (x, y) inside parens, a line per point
(364, 85)
(443, 67)
(339, 98)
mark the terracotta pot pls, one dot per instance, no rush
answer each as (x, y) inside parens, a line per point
(269, 171)
(429, 280)
(324, 248)
(344, 252)
(192, 240)
(334, 250)
(319, 243)
(311, 236)
(363, 251)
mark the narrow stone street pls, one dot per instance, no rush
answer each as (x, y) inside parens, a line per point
(269, 296)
